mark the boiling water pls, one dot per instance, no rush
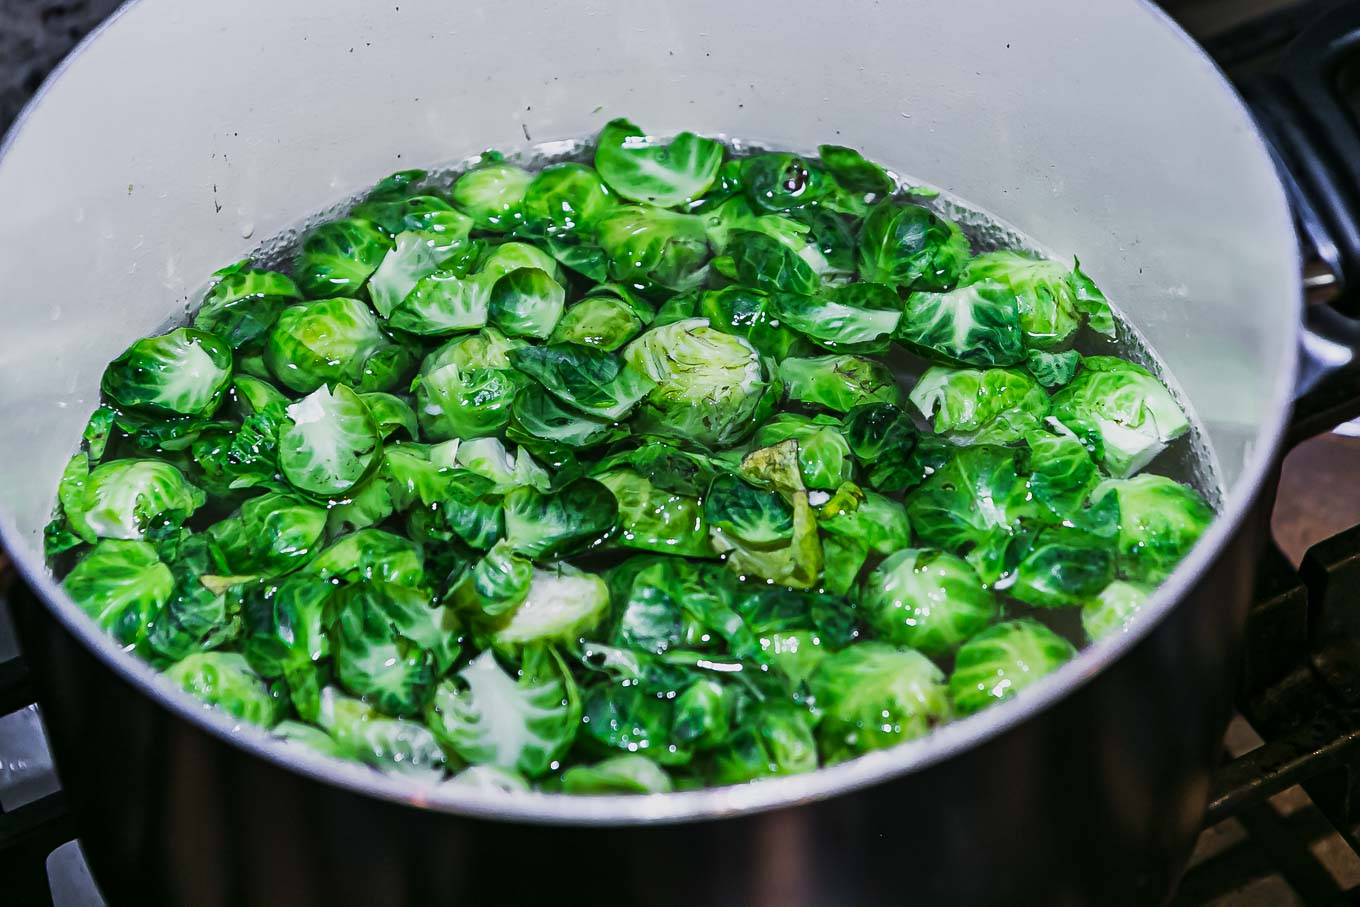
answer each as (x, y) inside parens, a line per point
(1188, 459)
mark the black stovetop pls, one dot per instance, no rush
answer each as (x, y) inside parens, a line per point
(1284, 824)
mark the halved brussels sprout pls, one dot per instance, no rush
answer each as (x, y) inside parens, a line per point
(976, 325)
(442, 303)
(883, 439)
(910, 247)
(1159, 522)
(839, 383)
(566, 198)
(748, 314)
(1003, 660)
(527, 302)
(1121, 411)
(595, 382)
(762, 262)
(465, 388)
(333, 340)
(225, 681)
(563, 604)
(651, 248)
(1052, 298)
(995, 406)
(579, 516)
(603, 322)
(184, 372)
(708, 385)
(337, 258)
(641, 169)
(122, 585)
(625, 774)
(492, 194)
(1114, 609)
(874, 695)
(1063, 566)
(928, 600)
(371, 554)
(844, 320)
(242, 305)
(123, 499)
(329, 442)
(655, 519)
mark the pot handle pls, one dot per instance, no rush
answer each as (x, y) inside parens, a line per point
(1309, 110)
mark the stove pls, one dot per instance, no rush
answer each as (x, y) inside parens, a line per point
(1283, 826)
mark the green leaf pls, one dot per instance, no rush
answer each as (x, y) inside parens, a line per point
(975, 325)
(329, 442)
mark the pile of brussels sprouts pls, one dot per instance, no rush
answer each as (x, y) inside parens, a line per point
(596, 479)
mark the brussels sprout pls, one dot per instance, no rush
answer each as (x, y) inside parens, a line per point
(1159, 522)
(641, 169)
(1003, 660)
(394, 207)
(337, 258)
(839, 382)
(703, 715)
(749, 314)
(779, 181)
(243, 303)
(390, 647)
(225, 681)
(272, 533)
(488, 458)
(579, 254)
(371, 554)
(625, 774)
(579, 516)
(1052, 299)
(198, 616)
(493, 195)
(184, 372)
(595, 382)
(537, 416)
(662, 603)
(489, 778)
(390, 745)
(1053, 369)
(929, 600)
(853, 172)
(775, 739)
(465, 388)
(995, 406)
(526, 302)
(882, 439)
(391, 414)
(414, 257)
(910, 247)
(1122, 413)
(738, 214)
(566, 198)
(333, 340)
(768, 530)
(493, 719)
(866, 516)
(835, 324)
(654, 519)
(297, 734)
(468, 511)
(496, 583)
(563, 604)
(122, 585)
(604, 322)
(1063, 566)
(442, 303)
(329, 442)
(874, 695)
(511, 256)
(764, 263)
(122, 499)
(795, 630)
(823, 453)
(1114, 609)
(1062, 477)
(975, 325)
(708, 385)
(651, 248)
(285, 636)
(978, 500)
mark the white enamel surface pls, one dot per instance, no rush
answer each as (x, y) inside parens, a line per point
(187, 131)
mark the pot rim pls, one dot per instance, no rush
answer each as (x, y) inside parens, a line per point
(715, 802)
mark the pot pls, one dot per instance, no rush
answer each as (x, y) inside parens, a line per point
(180, 134)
